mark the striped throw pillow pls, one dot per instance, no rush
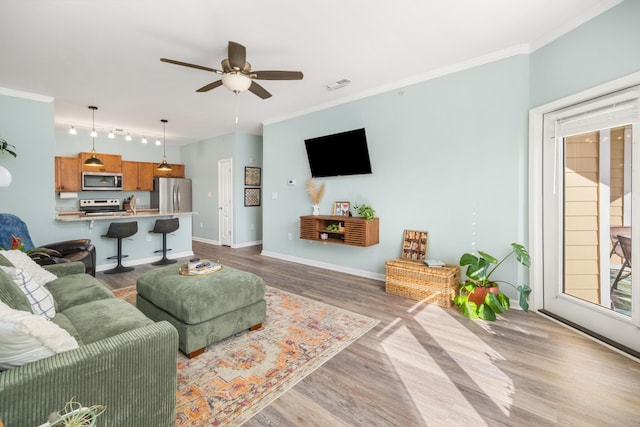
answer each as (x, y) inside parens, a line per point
(39, 296)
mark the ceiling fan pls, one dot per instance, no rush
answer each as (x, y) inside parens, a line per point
(237, 75)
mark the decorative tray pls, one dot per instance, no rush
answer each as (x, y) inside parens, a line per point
(202, 268)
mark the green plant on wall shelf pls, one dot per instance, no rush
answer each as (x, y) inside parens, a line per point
(4, 146)
(365, 211)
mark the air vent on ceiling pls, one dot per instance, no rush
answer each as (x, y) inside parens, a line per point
(339, 84)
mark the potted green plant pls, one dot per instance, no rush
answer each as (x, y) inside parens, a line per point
(365, 211)
(480, 296)
(75, 415)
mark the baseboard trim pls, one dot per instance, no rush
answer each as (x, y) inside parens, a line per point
(246, 245)
(326, 266)
(208, 241)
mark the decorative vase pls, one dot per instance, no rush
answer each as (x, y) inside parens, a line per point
(478, 295)
(316, 210)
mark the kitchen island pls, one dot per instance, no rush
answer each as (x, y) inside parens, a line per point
(141, 248)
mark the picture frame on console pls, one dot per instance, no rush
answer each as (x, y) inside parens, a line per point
(341, 208)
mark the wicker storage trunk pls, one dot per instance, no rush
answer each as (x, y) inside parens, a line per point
(416, 281)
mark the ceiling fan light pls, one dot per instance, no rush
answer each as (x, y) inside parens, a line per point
(236, 82)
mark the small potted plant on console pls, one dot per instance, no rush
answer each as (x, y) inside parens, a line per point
(480, 296)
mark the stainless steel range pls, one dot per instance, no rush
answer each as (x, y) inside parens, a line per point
(98, 207)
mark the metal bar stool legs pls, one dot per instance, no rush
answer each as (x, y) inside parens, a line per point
(120, 230)
(164, 226)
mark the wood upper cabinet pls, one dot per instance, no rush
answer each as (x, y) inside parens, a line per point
(137, 176)
(177, 171)
(67, 174)
(112, 163)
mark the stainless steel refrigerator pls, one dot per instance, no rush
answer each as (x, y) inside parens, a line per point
(171, 195)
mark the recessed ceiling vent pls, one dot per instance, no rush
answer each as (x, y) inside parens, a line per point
(339, 84)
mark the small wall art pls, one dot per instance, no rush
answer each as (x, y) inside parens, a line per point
(252, 197)
(341, 208)
(414, 246)
(252, 176)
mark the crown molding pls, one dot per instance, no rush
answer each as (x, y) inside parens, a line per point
(25, 95)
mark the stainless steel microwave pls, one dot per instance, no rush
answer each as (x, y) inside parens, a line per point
(101, 181)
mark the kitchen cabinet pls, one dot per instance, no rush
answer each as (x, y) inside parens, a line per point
(137, 176)
(67, 174)
(112, 163)
(177, 171)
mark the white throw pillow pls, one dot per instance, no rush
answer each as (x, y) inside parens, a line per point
(22, 261)
(26, 337)
(39, 297)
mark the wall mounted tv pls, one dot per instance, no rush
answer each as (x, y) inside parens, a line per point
(344, 153)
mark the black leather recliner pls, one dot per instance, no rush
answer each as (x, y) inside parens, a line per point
(53, 253)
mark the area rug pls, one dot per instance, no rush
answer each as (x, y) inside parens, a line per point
(236, 378)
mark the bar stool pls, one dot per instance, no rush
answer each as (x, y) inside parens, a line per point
(120, 230)
(165, 226)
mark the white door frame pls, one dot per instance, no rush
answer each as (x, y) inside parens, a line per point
(225, 201)
(537, 135)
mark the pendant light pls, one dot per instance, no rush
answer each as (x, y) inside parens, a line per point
(164, 166)
(93, 160)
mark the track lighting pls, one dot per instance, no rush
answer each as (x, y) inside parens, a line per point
(72, 130)
(111, 135)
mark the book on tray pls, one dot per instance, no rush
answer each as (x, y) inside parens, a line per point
(434, 263)
(204, 267)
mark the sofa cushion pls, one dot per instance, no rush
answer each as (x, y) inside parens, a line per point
(63, 321)
(69, 291)
(39, 297)
(26, 337)
(105, 318)
(11, 294)
(21, 260)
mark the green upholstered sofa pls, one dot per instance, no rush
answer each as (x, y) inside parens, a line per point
(124, 360)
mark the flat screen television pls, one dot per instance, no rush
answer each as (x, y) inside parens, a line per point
(343, 153)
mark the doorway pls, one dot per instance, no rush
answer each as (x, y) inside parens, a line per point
(225, 201)
(589, 167)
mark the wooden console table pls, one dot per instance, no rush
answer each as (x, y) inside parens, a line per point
(355, 231)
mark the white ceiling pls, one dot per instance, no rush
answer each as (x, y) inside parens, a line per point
(107, 53)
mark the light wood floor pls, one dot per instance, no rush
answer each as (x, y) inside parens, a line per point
(425, 365)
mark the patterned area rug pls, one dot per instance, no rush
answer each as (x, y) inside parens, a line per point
(237, 377)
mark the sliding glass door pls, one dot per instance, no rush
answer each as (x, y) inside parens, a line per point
(590, 167)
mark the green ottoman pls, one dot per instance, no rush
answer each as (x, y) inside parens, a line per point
(204, 309)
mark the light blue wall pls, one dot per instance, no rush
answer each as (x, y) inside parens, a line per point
(28, 125)
(248, 219)
(449, 156)
(202, 159)
(599, 51)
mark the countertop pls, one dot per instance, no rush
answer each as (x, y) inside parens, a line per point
(143, 213)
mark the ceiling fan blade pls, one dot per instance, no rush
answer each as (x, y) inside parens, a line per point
(210, 86)
(186, 64)
(256, 89)
(277, 75)
(237, 55)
